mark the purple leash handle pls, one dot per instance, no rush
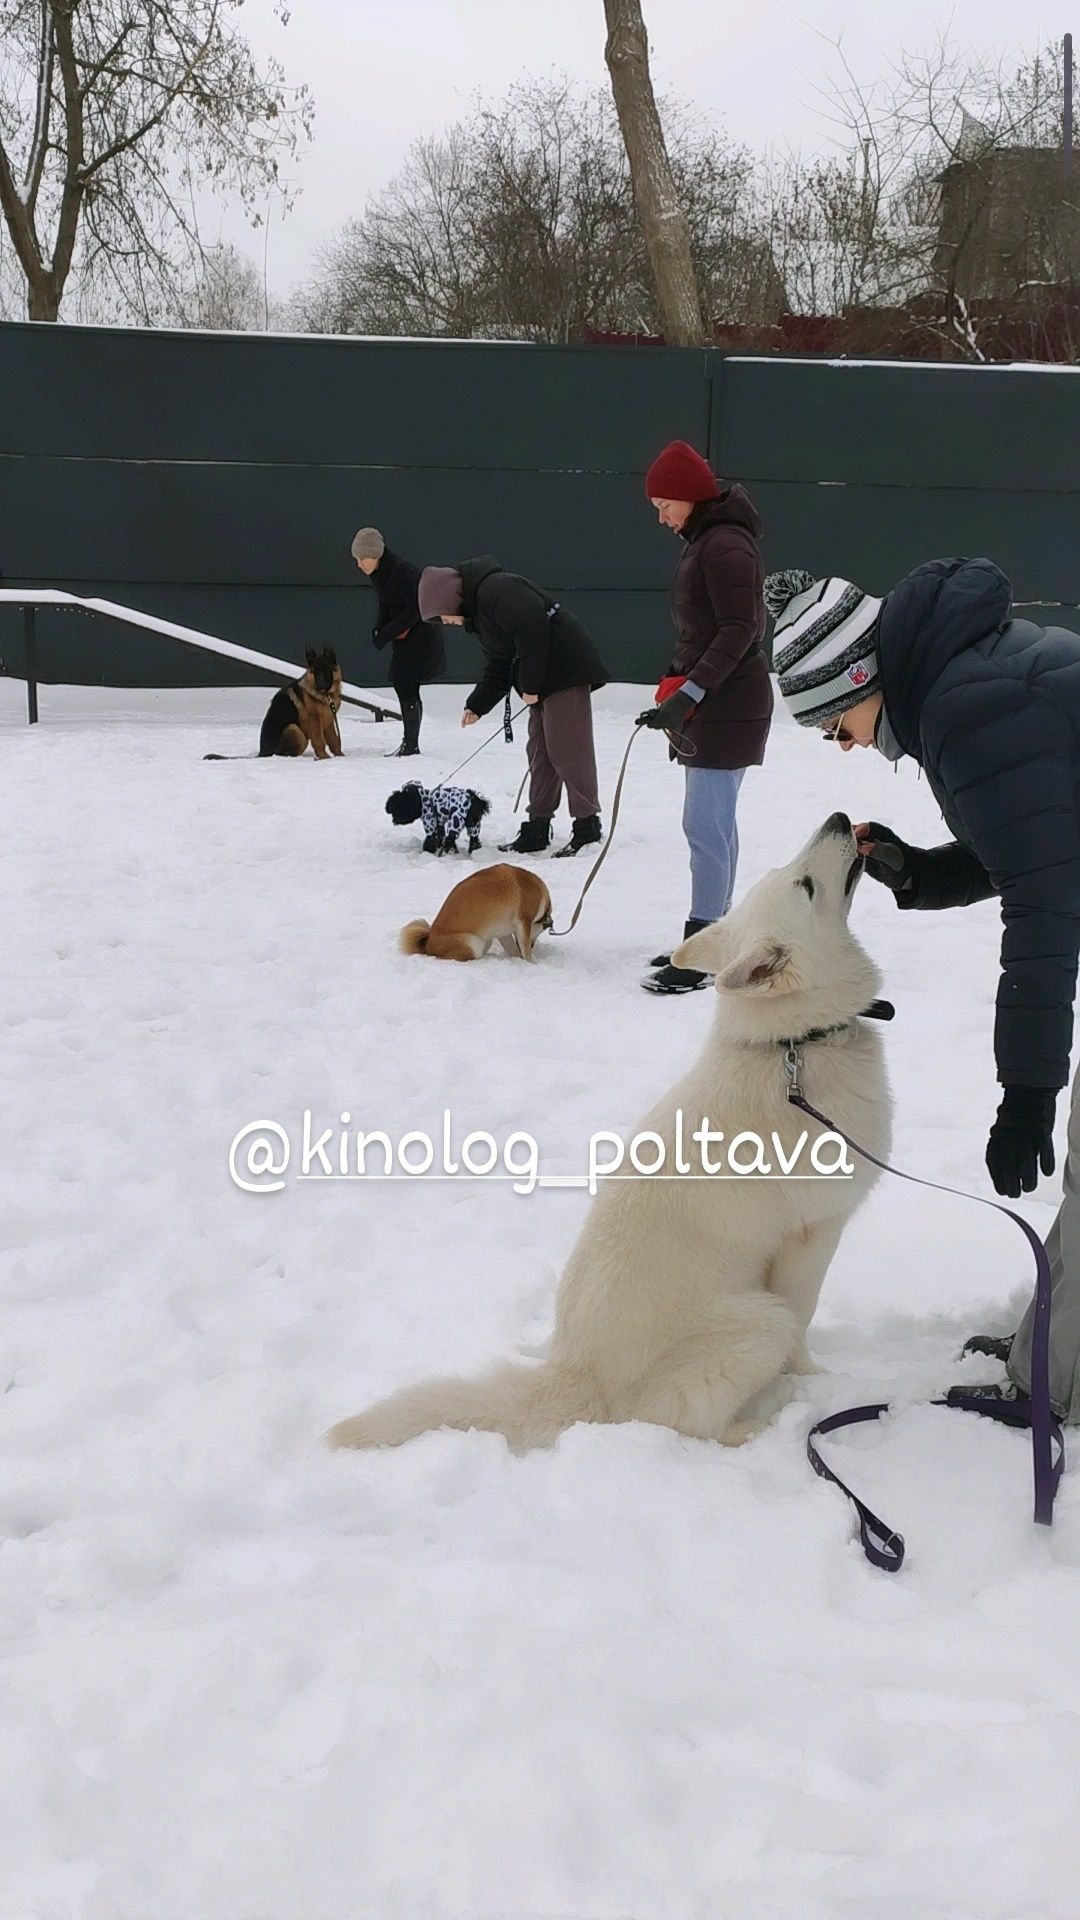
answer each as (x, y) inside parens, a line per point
(1045, 1429)
(882, 1547)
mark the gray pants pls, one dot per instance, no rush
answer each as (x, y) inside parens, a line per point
(1063, 1249)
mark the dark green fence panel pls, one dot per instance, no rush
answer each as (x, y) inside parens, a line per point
(885, 423)
(217, 480)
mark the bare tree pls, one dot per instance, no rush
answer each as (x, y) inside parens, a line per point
(520, 224)
(663, 220)
(114, 115)
(230, 296)
(947, 202)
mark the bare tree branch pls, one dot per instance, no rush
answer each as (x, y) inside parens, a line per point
(106, 106)
(42, 110)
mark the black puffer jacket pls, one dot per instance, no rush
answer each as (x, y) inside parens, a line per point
(719, 617)
(418, 651)
(990, 708)
(529, 641)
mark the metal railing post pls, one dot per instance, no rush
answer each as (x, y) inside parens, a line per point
(30, 633)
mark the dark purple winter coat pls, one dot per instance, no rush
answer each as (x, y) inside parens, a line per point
(719, 615)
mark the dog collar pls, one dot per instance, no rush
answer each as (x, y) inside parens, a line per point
(877, 1010)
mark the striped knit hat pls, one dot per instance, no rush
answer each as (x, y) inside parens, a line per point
(823, 644)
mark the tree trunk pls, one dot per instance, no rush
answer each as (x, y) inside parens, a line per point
(667, 236)
(42, 302)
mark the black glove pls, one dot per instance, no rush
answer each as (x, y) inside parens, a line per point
(672, 712)
(1021, 1140)
(892, 862)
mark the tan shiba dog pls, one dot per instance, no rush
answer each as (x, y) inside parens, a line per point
(503, 903)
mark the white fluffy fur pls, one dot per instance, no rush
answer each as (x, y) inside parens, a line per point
(681, 1300)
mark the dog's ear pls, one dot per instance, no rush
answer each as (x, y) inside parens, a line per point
(706, 950)
(311, 656)
(330, 656)
(760, 969)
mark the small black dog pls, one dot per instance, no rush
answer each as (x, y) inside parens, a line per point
(443, 812)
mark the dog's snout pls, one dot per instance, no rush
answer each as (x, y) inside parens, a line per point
(837, 827)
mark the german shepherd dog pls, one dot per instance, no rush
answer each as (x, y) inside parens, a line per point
(301, 713)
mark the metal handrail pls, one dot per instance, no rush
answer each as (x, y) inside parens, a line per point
(55, 600)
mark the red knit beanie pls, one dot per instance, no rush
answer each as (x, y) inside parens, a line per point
(678, 473)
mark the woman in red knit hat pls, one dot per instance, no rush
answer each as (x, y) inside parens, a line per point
(718, 714)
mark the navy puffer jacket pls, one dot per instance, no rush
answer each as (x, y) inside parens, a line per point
(990, 708)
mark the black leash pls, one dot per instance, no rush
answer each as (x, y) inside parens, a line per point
(503, 729)
(882, 1546)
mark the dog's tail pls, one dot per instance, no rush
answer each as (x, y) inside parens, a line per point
(414, 937)
(530, 1404)
(230, 756)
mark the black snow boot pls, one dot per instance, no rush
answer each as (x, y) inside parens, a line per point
(412, 712)
(587, 833)
(533, 836)
(669, 979)
(991, 1346)
(692, 926)
(990, 1396)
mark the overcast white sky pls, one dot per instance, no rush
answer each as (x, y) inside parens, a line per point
(385, 71)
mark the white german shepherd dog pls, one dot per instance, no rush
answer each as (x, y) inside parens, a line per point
(682, 1299)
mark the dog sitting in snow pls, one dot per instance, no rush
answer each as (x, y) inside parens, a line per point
(443, 812)
(304, 712)
(681, 1301)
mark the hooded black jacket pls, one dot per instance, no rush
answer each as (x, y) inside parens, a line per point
(989, 706)
(529, 641)
(418, 651)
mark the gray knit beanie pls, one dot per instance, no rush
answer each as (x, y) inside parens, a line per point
(368, 544)
(440, 592)
(823, 644)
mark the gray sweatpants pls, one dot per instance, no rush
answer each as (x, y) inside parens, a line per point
(1063, 1249)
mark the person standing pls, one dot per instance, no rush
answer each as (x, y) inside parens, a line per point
(418, 654)
(533, 644)
(717, 716)
(989, 707)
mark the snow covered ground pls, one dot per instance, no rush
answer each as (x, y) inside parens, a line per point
(636, 1678)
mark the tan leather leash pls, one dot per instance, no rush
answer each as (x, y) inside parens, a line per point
(688, 746)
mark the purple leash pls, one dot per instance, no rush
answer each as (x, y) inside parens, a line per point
(882, 1547)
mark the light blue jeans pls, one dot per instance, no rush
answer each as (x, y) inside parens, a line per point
(713, 838)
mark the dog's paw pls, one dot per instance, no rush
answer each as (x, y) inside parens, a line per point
(741, 1432)
(803, 1362)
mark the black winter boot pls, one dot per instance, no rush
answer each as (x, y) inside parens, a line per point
(692, 926)
(533, 836)
(412, 712)
(669, 979)
(587, 833)
(990, 1346)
